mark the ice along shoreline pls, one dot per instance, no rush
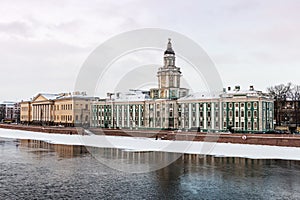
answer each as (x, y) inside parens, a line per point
(150, 144)
(288, 140)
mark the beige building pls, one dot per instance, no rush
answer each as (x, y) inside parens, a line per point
(57, 109)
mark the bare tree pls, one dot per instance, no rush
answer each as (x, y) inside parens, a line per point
(294, 95)
(280, 93)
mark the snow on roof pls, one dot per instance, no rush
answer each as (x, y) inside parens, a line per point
(8, 102)
(244, 93)
(50, 96)
(64, 95)
(132, 95)
(201, 95)
(75, 96)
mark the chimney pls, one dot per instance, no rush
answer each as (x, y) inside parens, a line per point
(237, 88)
(251, 88)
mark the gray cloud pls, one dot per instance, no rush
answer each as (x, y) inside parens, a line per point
(16, 28)
(44, 43)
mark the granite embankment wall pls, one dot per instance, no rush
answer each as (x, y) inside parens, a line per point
(43, 129)
(258, 139)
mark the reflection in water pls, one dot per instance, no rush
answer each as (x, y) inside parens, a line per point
(65, 151)
(133, 161)
(35, 170)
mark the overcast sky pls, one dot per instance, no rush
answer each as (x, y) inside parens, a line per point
(44, 43)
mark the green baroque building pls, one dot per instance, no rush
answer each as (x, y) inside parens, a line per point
(171, 107)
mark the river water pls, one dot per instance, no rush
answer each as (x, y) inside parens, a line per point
(41, 173)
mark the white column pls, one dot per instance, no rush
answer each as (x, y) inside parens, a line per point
(204, 116)
(190, 115)
(123, 116)
(117, 115)
(197, 115)
(140, 115)
(212, 116)
(128, 115)
(133, 116)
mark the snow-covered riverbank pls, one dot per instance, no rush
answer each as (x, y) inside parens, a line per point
(150, 144)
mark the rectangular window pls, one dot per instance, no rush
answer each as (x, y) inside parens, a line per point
(249, 126)
(201, 123)
(249, 114)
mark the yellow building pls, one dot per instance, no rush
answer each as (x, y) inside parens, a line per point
(57, 109)
(25, 111)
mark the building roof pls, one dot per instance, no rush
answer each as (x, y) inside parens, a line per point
(49, 96)
(8, 103)
(244, 93)
(131, 95)
(200, 95)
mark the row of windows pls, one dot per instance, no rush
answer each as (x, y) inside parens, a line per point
(186, 106)
(63, 117)
(158, 105)
(241, 125)
(201, 105)
(63, 107)
(119, 122)
(241, 114)
(230, 105)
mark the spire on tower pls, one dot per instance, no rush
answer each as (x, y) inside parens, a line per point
(169, 48)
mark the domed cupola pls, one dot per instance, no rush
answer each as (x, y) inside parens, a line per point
(169, 48)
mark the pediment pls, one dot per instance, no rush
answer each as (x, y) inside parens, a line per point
(40, 97)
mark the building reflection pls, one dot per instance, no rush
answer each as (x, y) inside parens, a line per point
(133, 161)
(65, 151)
(168, 166)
